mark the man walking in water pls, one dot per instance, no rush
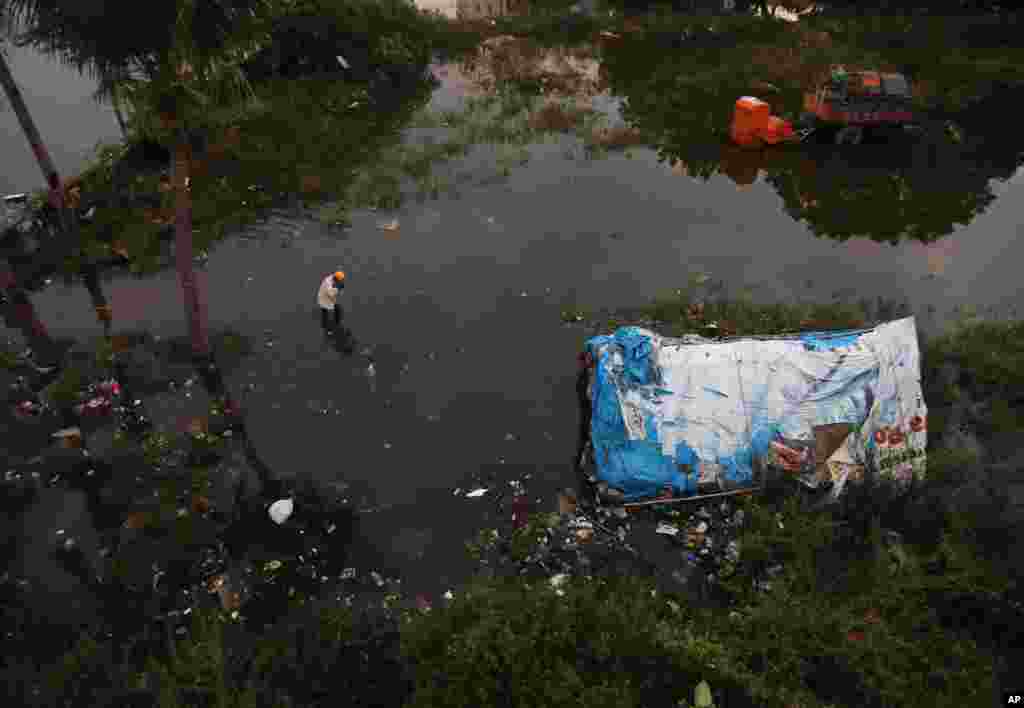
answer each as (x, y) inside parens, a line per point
(327, 298)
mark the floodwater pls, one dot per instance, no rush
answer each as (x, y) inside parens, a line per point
(69, 120)
(458, 309)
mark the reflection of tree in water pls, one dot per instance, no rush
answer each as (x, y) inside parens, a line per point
(888, 188)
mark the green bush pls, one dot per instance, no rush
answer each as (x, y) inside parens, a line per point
(65, 390)
(590, 642)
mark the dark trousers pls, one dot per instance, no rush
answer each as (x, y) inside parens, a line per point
(325, 316)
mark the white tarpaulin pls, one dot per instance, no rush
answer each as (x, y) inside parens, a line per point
(678, 412)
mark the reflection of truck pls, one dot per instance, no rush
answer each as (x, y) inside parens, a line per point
(858, 100)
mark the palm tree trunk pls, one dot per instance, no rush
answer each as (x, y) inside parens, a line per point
(28, 126)
(21, 314)
(115, 102)
(192, 290)
(191, 285)
(104, 313)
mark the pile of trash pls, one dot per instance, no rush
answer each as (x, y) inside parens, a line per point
(254, 566)
(685, 547)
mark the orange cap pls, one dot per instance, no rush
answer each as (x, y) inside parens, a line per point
(339, 275)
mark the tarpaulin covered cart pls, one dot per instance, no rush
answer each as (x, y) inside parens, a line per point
(694, 415)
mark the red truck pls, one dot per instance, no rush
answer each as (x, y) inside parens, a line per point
(859, 100)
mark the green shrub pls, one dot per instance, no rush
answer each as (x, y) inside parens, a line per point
(66, 389)
(600, 642)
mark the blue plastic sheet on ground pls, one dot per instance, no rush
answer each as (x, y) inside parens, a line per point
(682, 412)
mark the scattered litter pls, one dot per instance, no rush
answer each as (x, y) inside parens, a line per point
(389, 225)
(280, 510)
(348, 574)
(479, 492)
(567, 503)
(448, 595)
(377, 578)
(67, 433)
(509, 437)
(667, 529)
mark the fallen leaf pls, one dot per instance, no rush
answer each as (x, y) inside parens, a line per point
(855, 636)
(872, 616)
(105, 313)
(215, 583)
(566, 504)
(229, 600)
(232, 136)
(311, 183)
(69, 437)
(138, 520)
(120, 343)
(200, 504)
(194, 426)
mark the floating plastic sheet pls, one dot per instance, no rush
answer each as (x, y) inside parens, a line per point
(682, 412)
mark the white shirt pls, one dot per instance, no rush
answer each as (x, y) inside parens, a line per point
(327, 298)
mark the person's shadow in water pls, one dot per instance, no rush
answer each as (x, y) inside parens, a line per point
(342, 340)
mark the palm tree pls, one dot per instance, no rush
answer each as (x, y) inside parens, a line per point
(109, 87)
(180, 61)
(28, 126)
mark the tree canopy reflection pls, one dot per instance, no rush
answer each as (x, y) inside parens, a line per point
(891, 187)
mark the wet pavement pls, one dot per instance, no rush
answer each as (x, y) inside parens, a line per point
(455, 371)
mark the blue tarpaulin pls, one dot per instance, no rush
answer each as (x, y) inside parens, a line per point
(682, 412)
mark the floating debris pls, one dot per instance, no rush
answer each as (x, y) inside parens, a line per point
(667, 529)
(479, 492)
(280, 510)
